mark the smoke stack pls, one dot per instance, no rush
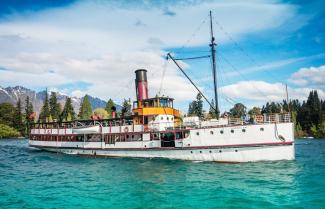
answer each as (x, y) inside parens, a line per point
(141, 84)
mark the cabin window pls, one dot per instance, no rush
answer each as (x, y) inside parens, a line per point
(167, 118)
(232, 131)
(243, 130)
(211, 132)
(221, 131)
(261, 129)
(197, 133)
(162, 118)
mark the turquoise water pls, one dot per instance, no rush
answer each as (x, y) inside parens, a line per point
(37, 179)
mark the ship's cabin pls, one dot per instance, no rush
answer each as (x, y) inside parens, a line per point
(162, 102)
(156, 113)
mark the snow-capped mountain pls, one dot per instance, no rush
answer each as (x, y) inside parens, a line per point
(12, 94)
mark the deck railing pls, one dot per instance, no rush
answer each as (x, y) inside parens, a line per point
(261, 119)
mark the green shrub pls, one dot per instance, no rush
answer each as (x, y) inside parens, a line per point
(8, 132)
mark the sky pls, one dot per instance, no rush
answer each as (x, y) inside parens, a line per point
(94, 47)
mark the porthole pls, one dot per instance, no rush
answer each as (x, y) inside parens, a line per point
(221, 131)
(172, 119)
(261, 129)
(236, 150)
(197, 133)
(200, 151)
(243, 130)
(167, 118)
(232, 131)
(220, 151)
(162, 118)
(191, 151)
(210, 151)
(211, 132)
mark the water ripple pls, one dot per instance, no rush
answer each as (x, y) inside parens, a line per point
(31, 178)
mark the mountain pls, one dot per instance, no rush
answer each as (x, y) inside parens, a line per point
(12, 94)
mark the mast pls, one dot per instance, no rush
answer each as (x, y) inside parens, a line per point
(214, 71)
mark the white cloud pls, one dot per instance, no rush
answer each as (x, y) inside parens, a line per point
(312, 77)
(273, 65)
(263, 91)
(102, 44)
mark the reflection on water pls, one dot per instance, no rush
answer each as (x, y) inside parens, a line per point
(33, 178)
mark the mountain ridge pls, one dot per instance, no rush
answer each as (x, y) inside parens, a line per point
(12, 94)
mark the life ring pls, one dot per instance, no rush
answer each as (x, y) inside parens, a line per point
(126, 129)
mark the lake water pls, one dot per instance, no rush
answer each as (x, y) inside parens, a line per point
(36, 179)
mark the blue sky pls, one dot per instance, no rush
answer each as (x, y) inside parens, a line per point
(79, 47)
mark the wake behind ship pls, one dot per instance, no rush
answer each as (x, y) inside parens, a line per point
(157, 130)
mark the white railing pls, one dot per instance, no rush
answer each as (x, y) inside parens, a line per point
(273, 118)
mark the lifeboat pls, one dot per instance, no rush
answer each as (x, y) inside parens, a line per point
(86, 130)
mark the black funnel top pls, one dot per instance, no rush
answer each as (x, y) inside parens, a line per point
(141, 75)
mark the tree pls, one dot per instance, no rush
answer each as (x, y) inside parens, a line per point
(55, 107)
(18, 117)
(109, 107)
(85, 111)
(101, 113)
(255, 111)
(239, 110)
(7, 112)
(45, 111)
(190, 108)
(196, 107)
(310, 113)
(126, 108)
(8, 132)
(28, 115)
(198, 111)
(212, 112)
(68, 113)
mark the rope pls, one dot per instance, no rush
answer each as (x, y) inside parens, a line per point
(194, 33)
(163, 76)
(241, 49)
(235, 69)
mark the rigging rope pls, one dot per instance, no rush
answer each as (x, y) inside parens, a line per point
(163, 76)
(241, 49)
(194, 33)
(235, 69)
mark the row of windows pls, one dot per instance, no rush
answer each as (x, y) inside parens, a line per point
(108, 138)
(171, 135)
(210, 151)
(232, 131)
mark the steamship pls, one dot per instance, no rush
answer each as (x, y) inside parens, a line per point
(157, 130)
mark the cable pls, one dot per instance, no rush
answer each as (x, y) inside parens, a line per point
(234, 68)
(251, 59)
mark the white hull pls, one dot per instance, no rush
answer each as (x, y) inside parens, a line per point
(222, 154)
(244, 143)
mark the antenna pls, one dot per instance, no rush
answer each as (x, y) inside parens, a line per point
(214, 71)
(287, 97)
